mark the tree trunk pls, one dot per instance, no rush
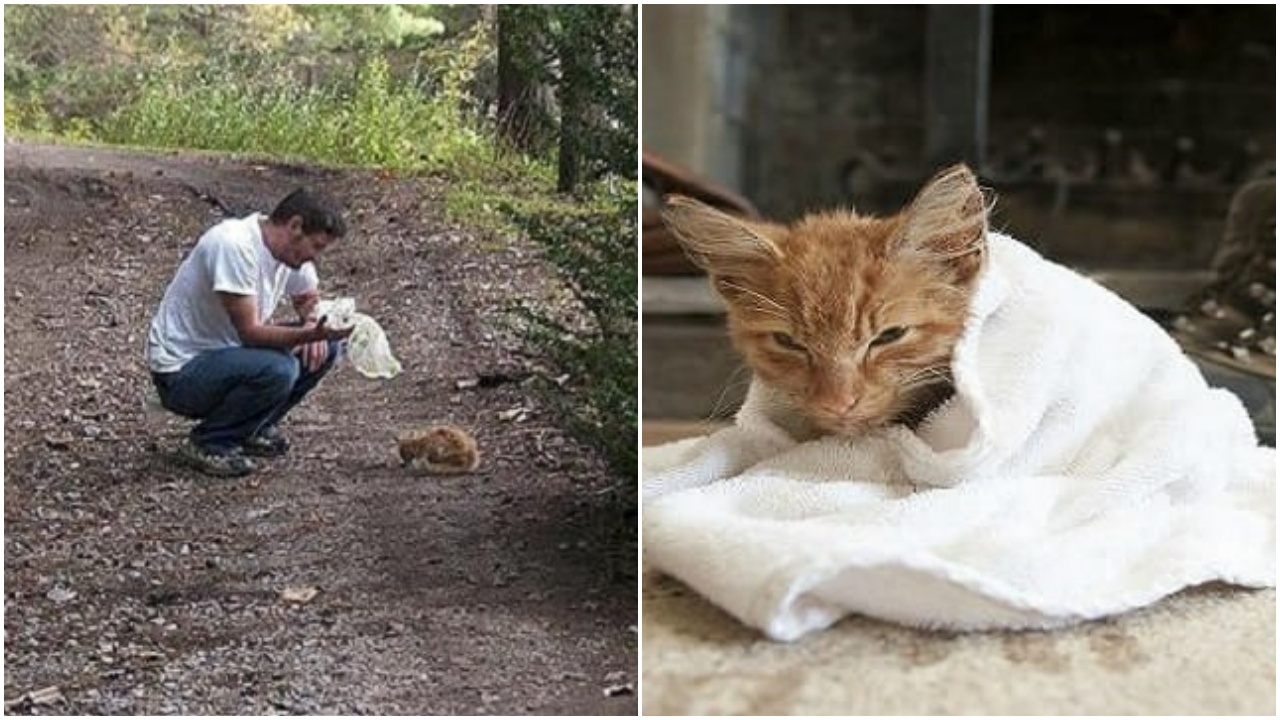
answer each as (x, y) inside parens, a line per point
(569, 163)
(517, 117)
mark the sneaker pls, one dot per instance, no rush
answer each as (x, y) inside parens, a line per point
(268, 443)
(212, 462)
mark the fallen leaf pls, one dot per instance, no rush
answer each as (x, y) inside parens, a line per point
(518, 414)
(299, 595)
(60, 442)
(46, 696)
(43, 696)
(259, 513)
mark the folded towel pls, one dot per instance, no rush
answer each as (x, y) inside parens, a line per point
(1083, 468)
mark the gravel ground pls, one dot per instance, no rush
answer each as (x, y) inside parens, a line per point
(332, 581)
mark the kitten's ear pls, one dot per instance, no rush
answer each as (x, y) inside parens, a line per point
(948, 219)
(717, 242)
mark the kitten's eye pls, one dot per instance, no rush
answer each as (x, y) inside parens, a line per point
(788, 342)
(893, 334)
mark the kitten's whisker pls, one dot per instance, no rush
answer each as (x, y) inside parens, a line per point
(734, 381)
(754, 294)
(925, 376)
(975, 246)
(770, 312)
(917, 372)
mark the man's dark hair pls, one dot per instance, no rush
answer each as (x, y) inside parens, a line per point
(319, 213)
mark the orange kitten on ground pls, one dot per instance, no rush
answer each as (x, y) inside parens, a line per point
(850, 319)
(439, 450)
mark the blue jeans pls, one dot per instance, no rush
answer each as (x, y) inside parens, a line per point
(239, 391)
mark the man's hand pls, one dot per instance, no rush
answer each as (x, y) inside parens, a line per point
(318, 331)
(313, 354)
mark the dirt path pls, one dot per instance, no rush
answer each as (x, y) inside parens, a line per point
(137, 587)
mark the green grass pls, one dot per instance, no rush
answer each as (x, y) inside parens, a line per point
(478, 200)
(371, 119)
(377, 123)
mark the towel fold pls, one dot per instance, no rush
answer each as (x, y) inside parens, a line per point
(1083, 468)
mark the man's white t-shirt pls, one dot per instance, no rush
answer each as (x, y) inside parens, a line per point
(232, 258)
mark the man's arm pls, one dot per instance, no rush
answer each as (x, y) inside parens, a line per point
(303, 289)
(305, 305)
(243, 310)
(314, 353)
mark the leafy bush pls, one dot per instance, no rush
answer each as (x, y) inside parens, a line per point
(354, 85)
(377, 120)
(592, 245)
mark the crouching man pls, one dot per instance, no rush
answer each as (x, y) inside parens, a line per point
(212, 353)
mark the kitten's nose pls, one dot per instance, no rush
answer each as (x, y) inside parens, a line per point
(837, 406)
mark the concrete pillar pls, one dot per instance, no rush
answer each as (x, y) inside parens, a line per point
(957, 84)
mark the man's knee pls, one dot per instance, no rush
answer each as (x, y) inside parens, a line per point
(277, 373)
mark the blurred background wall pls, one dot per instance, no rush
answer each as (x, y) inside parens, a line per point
(1113, 138)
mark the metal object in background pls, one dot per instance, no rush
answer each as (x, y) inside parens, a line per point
(958, 81)
(661, 254)
(1229, 327)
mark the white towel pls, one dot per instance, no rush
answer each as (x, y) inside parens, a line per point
(1083, 468)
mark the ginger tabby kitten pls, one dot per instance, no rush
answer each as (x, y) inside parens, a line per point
(439, 450)
(850, 320)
